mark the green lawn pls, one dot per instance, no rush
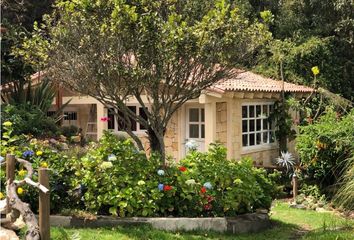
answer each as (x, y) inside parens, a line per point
(287, 224)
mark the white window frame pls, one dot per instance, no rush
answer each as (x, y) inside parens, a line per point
(138, 130)
(270, 130)
(199, 122)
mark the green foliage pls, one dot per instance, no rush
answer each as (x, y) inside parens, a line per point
(128, 184)
(312, 33)
(345, 194)
(325, 145)
(29, 119)
(41, 152)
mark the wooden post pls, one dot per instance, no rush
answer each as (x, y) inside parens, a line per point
(295, 186)
(44, 207)
(10, 175)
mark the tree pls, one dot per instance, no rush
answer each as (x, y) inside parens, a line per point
(162, 53)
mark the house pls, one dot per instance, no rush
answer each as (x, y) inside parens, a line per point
(234, 112)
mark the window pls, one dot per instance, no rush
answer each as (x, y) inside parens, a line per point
(196, 125)
(70, 118)
(51, 113)
(256, 126)
(119, 124)
(70, 115)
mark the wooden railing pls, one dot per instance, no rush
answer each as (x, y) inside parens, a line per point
(15, 207)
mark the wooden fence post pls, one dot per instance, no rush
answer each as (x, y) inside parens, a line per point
(295, 186)
(44, 207)
(10, 175)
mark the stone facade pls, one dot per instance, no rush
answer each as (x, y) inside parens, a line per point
(221, 123)
(171, 137)
(263, 157)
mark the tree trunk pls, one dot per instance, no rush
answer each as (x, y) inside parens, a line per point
(157, 143)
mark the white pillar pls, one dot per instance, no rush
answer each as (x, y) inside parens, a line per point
(210, 123)
(101, 125)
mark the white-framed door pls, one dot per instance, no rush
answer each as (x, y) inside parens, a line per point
(195, 126)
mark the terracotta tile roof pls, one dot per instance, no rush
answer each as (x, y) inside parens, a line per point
(248, 81)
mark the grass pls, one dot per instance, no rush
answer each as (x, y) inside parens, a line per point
(288, 223)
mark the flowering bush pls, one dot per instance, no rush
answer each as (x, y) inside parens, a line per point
(113, 177)
(325, 145)
(41, 154)
(132, 185)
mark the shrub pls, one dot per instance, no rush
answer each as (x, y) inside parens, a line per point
(325, 145)
(120, 180)
(29, 119)
(40, 153)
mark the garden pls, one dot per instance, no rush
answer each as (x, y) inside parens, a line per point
(164, 54)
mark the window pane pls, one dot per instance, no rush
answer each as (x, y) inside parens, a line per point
(132, 121)
(258, 110)
(143, 115)
(251, 111)
(258, 124)
(251, 126)
(258, 138)
(193, 130)
(202, 112)
(70, 115)
(265, 124)
(244, 111)
(203, 131)
(245, 140)
(244, 125)
(265, 110)
(251, 139)
(265, 137)
(121, 123)
(194, 114)
(111, 118)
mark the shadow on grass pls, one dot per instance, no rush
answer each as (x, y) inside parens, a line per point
(279, 230)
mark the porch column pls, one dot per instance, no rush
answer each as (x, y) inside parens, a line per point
(101, 125)
(210, 123)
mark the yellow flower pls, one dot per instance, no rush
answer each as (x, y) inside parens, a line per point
(2, 195)
(44, 164)
(22, 172)
(39, 153)
(315, 70)
(20, 190)
(7, 124)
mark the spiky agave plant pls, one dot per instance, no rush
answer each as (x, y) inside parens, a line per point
(286, 160)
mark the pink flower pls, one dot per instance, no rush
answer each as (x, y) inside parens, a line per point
(105, 119)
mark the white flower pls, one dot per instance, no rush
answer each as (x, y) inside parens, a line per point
(112, 157)
(286, 160)
(106, 165)
(160, 172)
(208, 185)
(190, 182)
(191, 145)
(141, 182)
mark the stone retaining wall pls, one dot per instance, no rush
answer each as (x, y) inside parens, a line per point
(253, 222)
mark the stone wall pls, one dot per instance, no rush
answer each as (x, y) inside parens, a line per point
(171, 137)
(263, 157)
(221, 123)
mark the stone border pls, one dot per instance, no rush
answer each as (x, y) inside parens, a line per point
(247, 223)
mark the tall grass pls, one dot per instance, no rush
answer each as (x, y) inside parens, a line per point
(345, 194)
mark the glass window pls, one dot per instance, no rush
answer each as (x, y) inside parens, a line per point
(194, 115)
(256, 127)
(196, 127)
(111, 119)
